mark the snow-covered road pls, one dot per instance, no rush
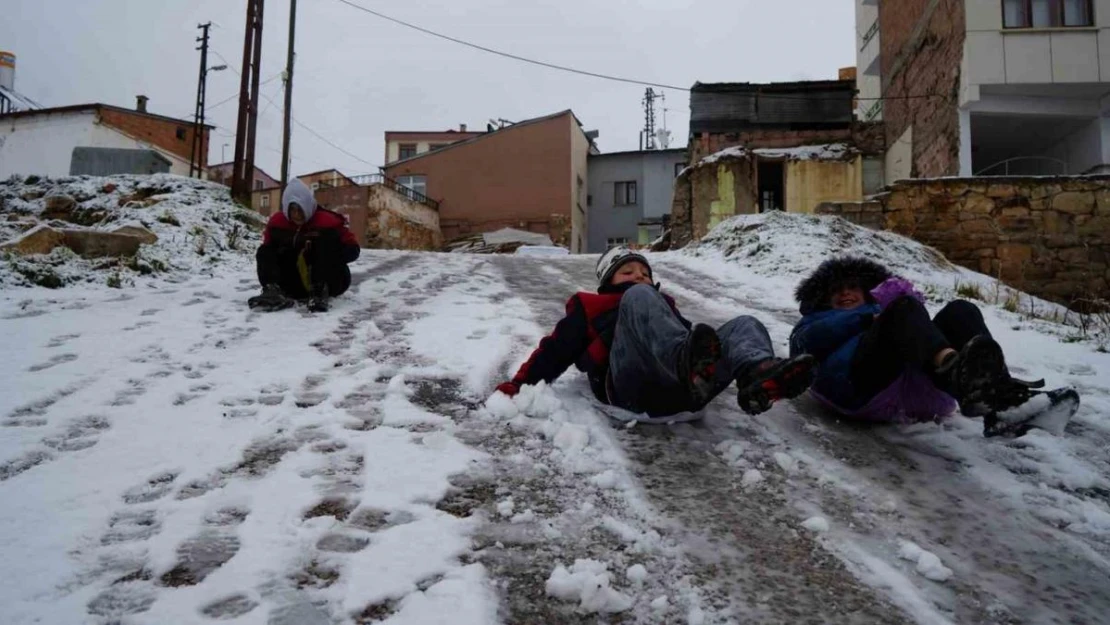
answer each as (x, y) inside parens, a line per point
(167, 456)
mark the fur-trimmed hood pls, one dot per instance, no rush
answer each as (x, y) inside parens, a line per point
(814, 292)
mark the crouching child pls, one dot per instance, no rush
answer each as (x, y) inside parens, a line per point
(304, 254)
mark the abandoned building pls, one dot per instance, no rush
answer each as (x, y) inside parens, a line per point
(779, 146)
(987, 87)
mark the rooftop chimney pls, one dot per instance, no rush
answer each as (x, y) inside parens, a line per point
(7, 70)
(462, 127)
(140, 103)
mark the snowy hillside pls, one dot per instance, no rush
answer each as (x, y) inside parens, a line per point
(200, 230)
(168, 456)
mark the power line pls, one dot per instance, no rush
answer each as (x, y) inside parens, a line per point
(516, 57)
(510, 55)
(321, 137)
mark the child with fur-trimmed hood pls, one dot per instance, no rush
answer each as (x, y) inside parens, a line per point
(642, 355)
(883, 358)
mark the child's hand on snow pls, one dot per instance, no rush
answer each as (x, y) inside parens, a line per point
(508, 388)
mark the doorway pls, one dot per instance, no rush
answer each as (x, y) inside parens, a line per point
(770, 177)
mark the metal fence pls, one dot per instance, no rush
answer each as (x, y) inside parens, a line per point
(368, 180)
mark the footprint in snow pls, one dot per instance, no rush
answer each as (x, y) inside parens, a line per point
(230, 607)
(199, 556)
(122, 599)
(58, 341)
(79, 434)
(23, 463)
(155, 488)
(60, 359)
(150, 312)
(127, 396)
(131, 526)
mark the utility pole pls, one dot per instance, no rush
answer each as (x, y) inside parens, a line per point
(243, 170)
(198, 115)
(288, 95)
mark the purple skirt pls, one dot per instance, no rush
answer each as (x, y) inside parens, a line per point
(912, 398)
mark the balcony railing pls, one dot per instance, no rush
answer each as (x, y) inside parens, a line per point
(869, 35)
(373, 179)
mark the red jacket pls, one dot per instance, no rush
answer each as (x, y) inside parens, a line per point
(582, 338)
(284, 233)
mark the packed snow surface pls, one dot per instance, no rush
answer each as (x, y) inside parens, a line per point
(168, 456)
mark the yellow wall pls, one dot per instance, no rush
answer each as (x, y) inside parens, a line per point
(725, 205)
(808, 183)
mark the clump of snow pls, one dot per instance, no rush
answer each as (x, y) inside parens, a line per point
(637, 574)
(587, 581)
(928, 564)
(660, 603)
(752, 477)
(505, 508)
(696, 616)
(816, 524)
(201, 230)
(606, 480)
(527, 516)
(786, 462)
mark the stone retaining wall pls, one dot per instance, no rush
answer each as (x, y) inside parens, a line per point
(1049, 236)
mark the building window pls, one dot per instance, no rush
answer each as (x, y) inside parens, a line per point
(264, 200)
(624, 193)
(1047, 13)
(417, 183)
(315, 186)
(678, 167)
(180, 133)
(612, 242)
(406, 150)
(257, 185)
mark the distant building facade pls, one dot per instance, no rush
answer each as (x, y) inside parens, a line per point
(407, 144)
(630, 196)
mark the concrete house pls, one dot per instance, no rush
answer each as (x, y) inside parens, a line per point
(401, 144)
(630, 196)
(993, 87)
(42, 141)
(531, 175)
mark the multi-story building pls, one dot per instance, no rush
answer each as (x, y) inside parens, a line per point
(223, 172)
(530, 175)
(406, 144)
(988, 87)
(630, 195)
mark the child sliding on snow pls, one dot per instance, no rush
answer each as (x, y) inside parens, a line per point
(641, 355)
(884, 359)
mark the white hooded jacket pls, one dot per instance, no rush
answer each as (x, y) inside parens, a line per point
(297, 192)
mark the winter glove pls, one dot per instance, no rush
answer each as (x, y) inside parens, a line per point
(893, 288)
(509, 388)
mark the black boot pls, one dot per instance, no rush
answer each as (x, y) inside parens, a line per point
(979, 379)
(318, 301)
(697, 362)
(271, 299)
(774, 379)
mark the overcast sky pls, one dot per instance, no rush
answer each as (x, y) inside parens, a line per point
(357, 76)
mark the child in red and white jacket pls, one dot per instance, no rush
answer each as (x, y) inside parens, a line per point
(642, 355)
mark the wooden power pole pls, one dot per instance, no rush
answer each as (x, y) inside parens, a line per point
(242, 181)
(196, 163)
(288, 95)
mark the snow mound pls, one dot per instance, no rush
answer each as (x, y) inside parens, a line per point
(200, 229)
(782, 244)
(587, 581)
(816, 524)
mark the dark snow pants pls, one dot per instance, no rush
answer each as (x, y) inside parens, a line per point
(326, 265)
(904, 336)
(643, 359)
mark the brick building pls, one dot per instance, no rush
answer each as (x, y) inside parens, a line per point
(223, 173)
(530, 175)
(987, 87)
(41, 141)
